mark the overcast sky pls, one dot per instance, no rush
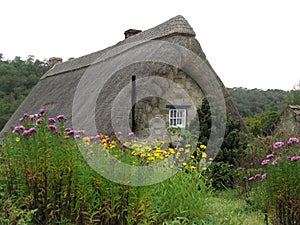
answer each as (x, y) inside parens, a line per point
(249, 43)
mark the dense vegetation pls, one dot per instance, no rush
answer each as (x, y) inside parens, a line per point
(17, 78)
(45, 179)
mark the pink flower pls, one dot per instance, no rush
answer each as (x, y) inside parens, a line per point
(51, 120)
(131, 134)
(25, 115)
(32, 130)
(264, 176)
(292, 140)
(32, 117)
(38, 121)
(61, 117)
(42, 111)
(278, 144)
(270, 155)
(29, 132)
(18, 129)
(71, 132)
(295, 158)
(265, 162)
(274, 162)
(257, 175)
(251, 179)
(52, 127)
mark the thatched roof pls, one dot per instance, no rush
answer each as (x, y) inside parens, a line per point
(56, 90)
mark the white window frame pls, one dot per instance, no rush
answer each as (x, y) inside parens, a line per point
(177, 118)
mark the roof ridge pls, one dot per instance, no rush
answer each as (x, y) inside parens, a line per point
(175, 25)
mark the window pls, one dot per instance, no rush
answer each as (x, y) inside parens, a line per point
(177, 117)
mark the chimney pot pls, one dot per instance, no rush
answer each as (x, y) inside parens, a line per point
(54, 60)
(131, 32)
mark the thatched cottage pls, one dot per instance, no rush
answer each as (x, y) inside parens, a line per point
(149, 81)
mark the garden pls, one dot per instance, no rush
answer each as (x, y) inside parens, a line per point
(46, 178)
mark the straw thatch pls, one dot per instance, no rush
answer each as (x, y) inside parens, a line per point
(57, 89)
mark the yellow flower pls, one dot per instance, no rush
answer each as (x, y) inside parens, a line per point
(204, 155)
(156, 155)
(171, 150)
(17, 139)
(192, 168)
(203, 146)
(204, 168)
(192, 156)
(211, 159)
(150, 158)
(184, 163)
(86, 140)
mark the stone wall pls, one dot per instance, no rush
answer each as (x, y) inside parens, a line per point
(152, 114)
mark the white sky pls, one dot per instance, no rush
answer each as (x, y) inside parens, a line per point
(249, 43)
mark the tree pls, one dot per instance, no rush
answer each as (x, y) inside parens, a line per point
(17, 77)
(293, 96)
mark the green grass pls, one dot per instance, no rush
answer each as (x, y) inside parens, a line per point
(228, 207)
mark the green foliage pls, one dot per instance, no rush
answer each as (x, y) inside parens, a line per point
(293, 96)
(251, 102)
(17, 77)
(258, 125)
(234, 142)
(181, 198)
(221, 175)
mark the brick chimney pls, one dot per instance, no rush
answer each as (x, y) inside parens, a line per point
(54, 60)
(131, 32)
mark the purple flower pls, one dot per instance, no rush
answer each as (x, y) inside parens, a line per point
(61, 117)
(264, 176)
(274, 162)
(38, 121)
(130, 134)
(29, 132)
(278, 144)
(18, 129)
(71, 132)
(265, 162)
(51, 120)
(257, 175)
(295, 158)
(25, 115)
(292, 140)
(107, 139)
(52, 127)
(32, 130)
(26, 133)
(77, 136)
(251, 178)
(118, 133)
(42, 111)
(270, 155)
(32, 117)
